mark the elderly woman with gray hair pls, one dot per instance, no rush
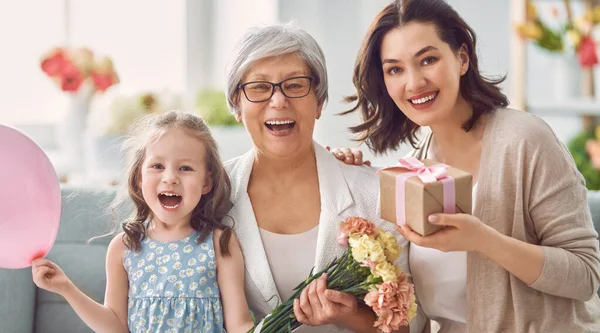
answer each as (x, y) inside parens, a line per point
(289, 193)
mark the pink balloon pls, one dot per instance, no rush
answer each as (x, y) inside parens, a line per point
(30, 202)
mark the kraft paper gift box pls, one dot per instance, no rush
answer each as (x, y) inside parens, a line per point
(413, 189)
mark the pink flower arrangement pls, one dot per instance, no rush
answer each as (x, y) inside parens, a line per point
(70, 68)
(367, 271)
(392, 302)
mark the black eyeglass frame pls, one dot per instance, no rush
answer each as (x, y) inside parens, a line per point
(275, 85)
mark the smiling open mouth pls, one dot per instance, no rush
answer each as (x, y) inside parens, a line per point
(425, 99)
(169, 200)
(280, 125)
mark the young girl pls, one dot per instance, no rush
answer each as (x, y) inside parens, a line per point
(175, 261)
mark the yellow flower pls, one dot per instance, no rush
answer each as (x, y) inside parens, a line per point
(596, 12)
(412, 312)
(390, 245)
(529, 30)
(365, 247)
(573, 37)
(386, 271)
(531, 12)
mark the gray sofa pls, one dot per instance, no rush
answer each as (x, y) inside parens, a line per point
(27, 309)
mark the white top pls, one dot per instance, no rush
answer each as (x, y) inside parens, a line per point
(291, 257)
(440, 280)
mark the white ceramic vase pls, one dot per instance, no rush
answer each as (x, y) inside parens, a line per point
(72, 129)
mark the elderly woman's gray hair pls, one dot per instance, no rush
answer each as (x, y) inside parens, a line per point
(276, 40)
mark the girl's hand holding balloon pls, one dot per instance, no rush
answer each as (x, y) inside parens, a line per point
(47, 275)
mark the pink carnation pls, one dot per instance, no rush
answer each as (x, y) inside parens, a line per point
(358, 226)
(391, 303)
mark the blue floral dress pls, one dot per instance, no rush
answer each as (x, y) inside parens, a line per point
(173, 287)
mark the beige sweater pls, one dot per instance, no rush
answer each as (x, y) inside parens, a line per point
(530, 189)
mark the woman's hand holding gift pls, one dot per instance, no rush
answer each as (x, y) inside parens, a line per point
(318, 305)
(461, 232)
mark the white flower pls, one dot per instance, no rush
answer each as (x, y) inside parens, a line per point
(175, 256)
(150, 256)
(172, 278)
(159, 250)
(188, 249)
(194, 286)
(189, 272)
(192, 262)
(153, 278)
(149, 268)
(202, 280)
(152, 245)
(173, 246)
(162, 270)
(141, 263)
(202, 257)
(177, 265)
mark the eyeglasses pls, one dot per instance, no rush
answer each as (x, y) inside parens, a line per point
(260, 91)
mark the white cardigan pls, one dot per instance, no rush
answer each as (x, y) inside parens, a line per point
(345, 190)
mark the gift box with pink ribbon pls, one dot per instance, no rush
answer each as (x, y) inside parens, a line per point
(412, 190)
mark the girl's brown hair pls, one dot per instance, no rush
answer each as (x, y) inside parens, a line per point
(384, 125)
(213, 207)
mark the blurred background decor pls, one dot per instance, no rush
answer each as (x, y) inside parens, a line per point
(571, 40)
(109, 122)
(81, 74)
(585, 149)
(231, 136)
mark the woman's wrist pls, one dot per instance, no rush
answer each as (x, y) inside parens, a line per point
(488, 239)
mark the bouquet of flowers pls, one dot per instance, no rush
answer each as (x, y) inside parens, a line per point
(367, 271)
(578, 33)
(70, 68)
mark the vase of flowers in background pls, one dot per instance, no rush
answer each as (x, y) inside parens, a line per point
(80, 74)
(570, 40)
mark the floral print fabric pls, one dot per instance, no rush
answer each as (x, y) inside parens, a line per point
(173, 287)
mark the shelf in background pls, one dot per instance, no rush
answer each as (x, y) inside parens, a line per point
(575, 107)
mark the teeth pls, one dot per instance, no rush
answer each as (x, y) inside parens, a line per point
(279, 122)
(422, 100)
(171, 207)
(170, 194)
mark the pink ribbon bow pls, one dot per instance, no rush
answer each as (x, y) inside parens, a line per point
(427, 175)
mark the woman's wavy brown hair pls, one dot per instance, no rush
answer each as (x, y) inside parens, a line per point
(213, 207)
(384, 125)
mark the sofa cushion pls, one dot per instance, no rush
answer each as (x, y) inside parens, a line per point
(84, 216)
